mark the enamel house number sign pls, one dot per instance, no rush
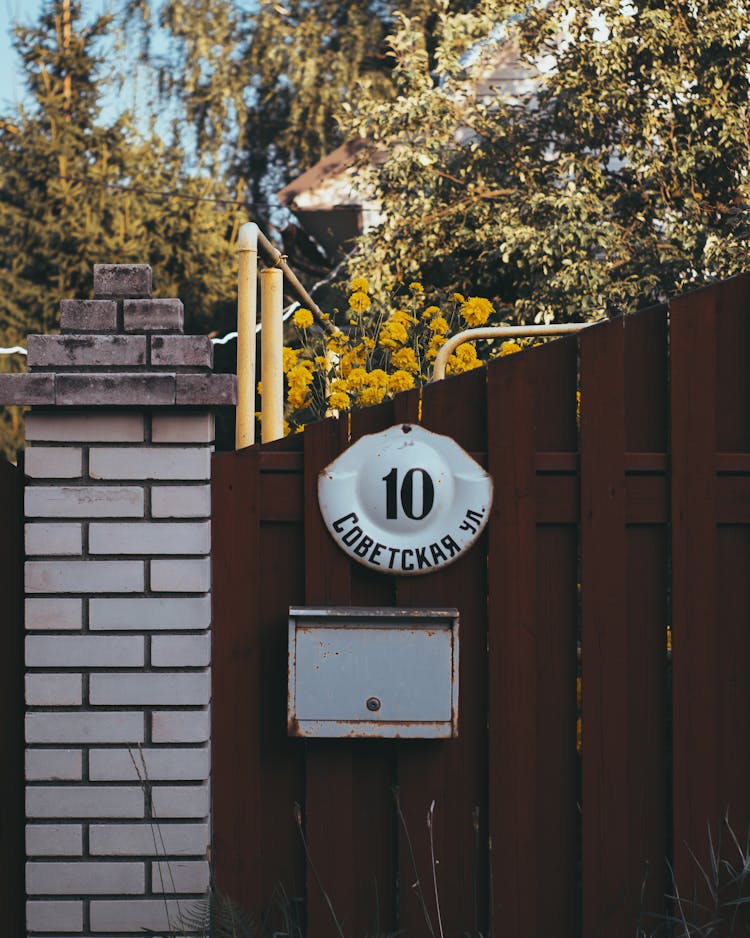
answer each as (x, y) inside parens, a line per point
(405, 501)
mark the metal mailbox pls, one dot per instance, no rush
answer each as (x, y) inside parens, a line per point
(372, 672)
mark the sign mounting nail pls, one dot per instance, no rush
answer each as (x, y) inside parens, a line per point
(405, 501)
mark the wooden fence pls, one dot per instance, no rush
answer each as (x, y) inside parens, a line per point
(11, 701)
(621, 464)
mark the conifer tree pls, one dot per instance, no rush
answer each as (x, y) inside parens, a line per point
(77, 189)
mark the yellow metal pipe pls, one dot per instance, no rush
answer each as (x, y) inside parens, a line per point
(271, 356)
(247, 286)
(275, 258)
(499, 332)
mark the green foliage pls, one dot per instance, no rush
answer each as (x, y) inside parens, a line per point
(616, 175)
(264, 85)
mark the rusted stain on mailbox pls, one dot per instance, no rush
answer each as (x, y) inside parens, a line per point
(373, 672)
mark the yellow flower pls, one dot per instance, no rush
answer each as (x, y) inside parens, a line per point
(339, 400)
(476, 310)
(509, 347)
(359, 354)
(340, 384)
(377, 378)
(458, 298)
(345, 364)
(301, 375)
(464, 359)
(357, 378)
(289, 358)
(287, 428)
(359, 301)
(466, 353)
(431, 311)
(321, 360)
(368, 343)
(440, 325)
(435, 343)
(393, 335)
(360, 285)
(303, 318)
(400, 381)
(402, 317)
(337, 342)
(260, 388)
(372, 395)
(406, 359)
(416, 286)
(298, 397)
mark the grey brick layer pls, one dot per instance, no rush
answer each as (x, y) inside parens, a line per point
(165, 315)
(125, 390)
(122, 280)
(194, 350)
(86, 350)
(27, 389)
(88, 316)
(206, 390)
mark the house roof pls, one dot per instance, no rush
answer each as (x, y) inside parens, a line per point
(329, 167)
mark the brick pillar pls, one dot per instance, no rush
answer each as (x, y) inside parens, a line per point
(117, 611)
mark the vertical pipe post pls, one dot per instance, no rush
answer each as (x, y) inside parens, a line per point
(272, 342)
(246, 320)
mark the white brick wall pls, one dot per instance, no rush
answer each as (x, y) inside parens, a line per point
(118, 765)
(45, 878)
(150, 614)
(54, 614)
(59, 539)
(118, 681)
(54, 840)
(81, 726)
(123, 916)
(180, 726)
(132, 840)
(180, 501)
(47, 765)
(54, 916)
(84, 501)
(146, 462)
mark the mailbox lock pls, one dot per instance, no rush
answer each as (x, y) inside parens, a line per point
(373, 703)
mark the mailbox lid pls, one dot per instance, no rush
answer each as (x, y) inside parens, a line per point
(373, 672)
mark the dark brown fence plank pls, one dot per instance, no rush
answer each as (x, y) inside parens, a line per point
(624, 379)
(647, 611)
(531, 609)
(697, 801)
(710, 632)
(236, 700)
(512, 640)
(282, 760)
(11, 700)
(555, 384)
(607, 897)
(451, 772)
(329, 802)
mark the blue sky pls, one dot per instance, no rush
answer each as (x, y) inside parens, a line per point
(11, 84)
